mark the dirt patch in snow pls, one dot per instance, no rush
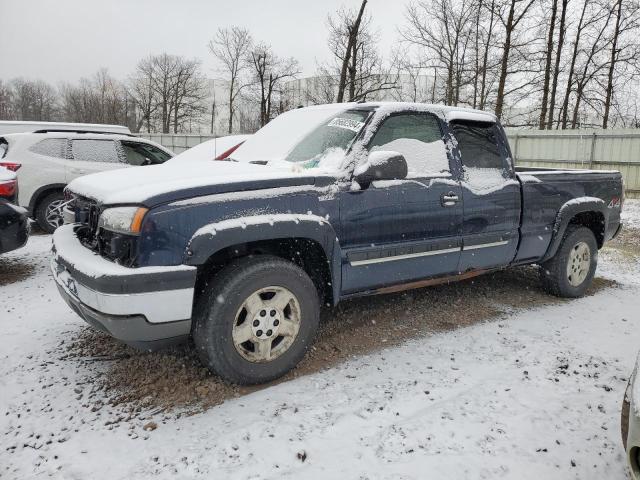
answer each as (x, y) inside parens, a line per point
(12, 271)
(174, 381)
(627, 241)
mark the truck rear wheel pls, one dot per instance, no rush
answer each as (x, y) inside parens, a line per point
(255, 320)
(570, 272)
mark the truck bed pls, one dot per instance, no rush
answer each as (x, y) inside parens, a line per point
(546, 190)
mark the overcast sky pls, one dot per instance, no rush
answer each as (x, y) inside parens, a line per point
(62, 40)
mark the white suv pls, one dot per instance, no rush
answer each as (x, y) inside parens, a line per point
(47, 161)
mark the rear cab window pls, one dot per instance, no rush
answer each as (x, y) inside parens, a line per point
(418, 137)
(93, 150)
(484, 158)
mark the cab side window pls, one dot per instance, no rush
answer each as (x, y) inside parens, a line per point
(478, 145)
(138, 154)
(483, 162)
(417, 136)
(95, 151)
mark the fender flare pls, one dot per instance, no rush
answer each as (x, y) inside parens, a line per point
(567, 212)
(214, 237)
(40, 192)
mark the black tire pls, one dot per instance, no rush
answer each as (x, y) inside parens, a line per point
(220, 301)
(553, 272)
(43, 208)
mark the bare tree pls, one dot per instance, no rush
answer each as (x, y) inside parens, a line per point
(625, 50)
(142, 92)
(612, 62)
(269, 72)
(5, 101)
(413, 83)
(487, 39)
(592, 63)
(230, 47)
(321, 88)
(547, 66)
(357, 66)
(556, 69)
(33, 100)
(169, 90)
(346, 26)
(586, 20)
(517, 10)
(444, 29)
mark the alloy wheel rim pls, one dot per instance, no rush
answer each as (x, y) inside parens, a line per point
(266, 324)
(54, 216)
(579, 264)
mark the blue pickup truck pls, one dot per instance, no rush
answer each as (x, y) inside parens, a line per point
(322, 204)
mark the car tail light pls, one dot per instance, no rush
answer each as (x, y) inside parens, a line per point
(225, 154)
(8, 188)
(14, 167)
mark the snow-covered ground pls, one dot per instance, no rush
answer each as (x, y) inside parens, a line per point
(529, 394)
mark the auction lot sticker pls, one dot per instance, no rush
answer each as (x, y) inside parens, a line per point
(348, 123)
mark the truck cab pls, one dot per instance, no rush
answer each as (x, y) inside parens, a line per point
(322, 204)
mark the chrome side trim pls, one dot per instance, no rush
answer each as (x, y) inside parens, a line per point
(485, 245)
(357, 263)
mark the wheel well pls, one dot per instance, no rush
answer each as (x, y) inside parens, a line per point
(304, 252)
(41, 194)
(594, 221)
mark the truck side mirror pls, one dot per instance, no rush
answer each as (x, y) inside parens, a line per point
(381, 165)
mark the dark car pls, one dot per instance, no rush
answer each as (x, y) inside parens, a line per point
(322, 204)
(14, 222)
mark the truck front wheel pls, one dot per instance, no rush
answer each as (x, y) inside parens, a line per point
(570, 272)
(254, 321)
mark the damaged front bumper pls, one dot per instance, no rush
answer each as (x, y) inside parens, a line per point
(146, 307)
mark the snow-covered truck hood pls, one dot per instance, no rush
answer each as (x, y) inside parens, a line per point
(153, 185)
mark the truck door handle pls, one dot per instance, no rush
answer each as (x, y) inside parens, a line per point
(78, 170)
(449, 199)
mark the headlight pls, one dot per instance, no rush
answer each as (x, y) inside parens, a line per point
(126, 220)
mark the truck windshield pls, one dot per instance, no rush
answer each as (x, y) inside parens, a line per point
(330, 139)
(308, 137)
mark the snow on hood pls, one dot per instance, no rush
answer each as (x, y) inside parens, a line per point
(137, 184)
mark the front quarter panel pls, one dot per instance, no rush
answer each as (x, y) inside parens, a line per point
(169, 230)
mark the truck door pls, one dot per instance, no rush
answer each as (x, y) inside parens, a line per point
(491, 196)
(401, 231)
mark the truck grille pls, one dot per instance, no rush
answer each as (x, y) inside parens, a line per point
(87, 215)
(113, 246)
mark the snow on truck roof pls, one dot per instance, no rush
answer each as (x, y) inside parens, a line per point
(449, 113)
